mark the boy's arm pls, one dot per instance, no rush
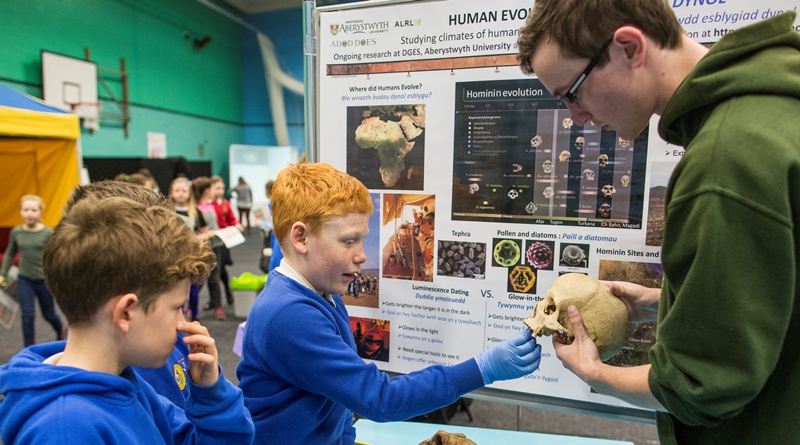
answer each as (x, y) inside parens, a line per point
(215, 407)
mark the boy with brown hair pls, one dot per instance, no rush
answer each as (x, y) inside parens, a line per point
(120, 271)
(172, 379)
(300, 372)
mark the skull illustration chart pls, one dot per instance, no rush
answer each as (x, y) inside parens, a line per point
(603, 314)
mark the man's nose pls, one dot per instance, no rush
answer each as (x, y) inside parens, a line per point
(579, 116)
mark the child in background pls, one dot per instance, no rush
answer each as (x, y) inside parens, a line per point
(124, 306)
(182, 199)
(201, 187)
(225, 218)
(29, 240)
(277, 254)
(304, 389)
(244, 201)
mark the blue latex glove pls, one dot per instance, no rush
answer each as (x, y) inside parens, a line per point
(512, 358)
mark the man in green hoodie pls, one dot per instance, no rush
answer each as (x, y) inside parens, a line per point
(725, 368)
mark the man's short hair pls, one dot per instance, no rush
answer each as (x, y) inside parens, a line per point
(109, 189)
(104, 248)
(312, 193)
(581, 27)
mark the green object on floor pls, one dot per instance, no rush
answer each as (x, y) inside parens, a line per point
(248, 281)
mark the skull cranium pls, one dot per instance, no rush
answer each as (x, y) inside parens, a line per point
(564, 156)
(625, 180)
(588, 174)
(580, 142)
(547, 166)
(603, 314)
(548, 192)
(567, 122)
(608, 190)
(604, 211)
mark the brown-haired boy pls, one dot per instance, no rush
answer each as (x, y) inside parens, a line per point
(120, 271)
(300, 372)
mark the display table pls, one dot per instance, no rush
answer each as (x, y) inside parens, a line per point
(412, 433)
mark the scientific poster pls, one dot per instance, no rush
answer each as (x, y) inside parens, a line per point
(488, 189)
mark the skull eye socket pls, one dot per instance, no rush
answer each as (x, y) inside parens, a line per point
(550, 309)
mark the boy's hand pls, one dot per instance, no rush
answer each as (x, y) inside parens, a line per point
(203, 359)
(512, 358)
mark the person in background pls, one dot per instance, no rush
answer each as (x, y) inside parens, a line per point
(303, 389)
(152, 184)
(201, 187)
(182, 200)
(124, 306)
(244, 201)
(225, 218)
(28, 240)
(277, 254)
(724, 368)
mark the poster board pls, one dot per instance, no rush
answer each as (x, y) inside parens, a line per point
(486, 189)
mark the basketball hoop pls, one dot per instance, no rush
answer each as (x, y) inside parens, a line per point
(90, 113)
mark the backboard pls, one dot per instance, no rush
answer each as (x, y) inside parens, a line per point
(68, 83)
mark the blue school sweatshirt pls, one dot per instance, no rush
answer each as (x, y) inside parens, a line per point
(303, 379)
(64, 405)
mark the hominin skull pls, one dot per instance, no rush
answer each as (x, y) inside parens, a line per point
(604, 211)
(580, 142)
(536, 141)
(547, 166)
(588, 174)
(604, 315)
(567, 122)
(548, 192)
(608, 190)
(625, 180)
(602, 160)
(564, 156)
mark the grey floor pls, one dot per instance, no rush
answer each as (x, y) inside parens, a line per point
(485, 414)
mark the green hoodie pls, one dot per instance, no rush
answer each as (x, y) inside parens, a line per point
(727, 361)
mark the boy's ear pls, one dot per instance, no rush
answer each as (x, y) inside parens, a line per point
(298, 237)
(122, 311)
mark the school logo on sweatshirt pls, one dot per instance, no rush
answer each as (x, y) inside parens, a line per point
(180, 376)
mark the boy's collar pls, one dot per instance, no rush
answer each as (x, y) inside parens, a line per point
(285, 269)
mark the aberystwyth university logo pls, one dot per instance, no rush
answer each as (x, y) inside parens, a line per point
(334, 29)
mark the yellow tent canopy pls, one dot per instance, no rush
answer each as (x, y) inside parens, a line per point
(38, 155)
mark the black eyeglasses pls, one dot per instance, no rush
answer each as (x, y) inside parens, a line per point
(569, 96)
